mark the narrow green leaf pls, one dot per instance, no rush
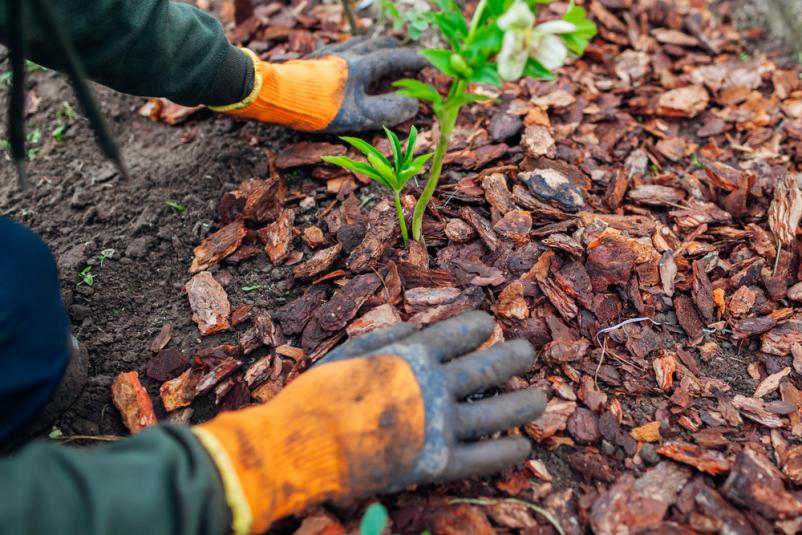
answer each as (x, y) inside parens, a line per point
(385, 170)
(419, 90)
(366, 148)
(441, 60)
(411, 141)
(487, 74)
(356, 167)
(395, 144)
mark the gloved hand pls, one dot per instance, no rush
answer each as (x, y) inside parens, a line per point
(327, 91)
(378, 414)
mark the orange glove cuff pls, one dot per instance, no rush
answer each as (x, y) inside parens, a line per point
(341, 430)
(303, 94)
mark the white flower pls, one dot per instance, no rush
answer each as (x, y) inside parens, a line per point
(523, 41)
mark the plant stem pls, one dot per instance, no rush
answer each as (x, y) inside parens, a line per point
(446, 122)
(349, 14)
(477, 17)
(401, 221)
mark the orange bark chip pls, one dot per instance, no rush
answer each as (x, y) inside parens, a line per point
(133, 402)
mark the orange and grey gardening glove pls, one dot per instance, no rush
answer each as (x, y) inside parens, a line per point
(378, 414)
(327, 92)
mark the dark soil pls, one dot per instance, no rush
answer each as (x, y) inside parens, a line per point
(81, 207)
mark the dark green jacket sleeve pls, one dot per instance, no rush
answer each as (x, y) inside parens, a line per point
(144, 47)
(161, 481)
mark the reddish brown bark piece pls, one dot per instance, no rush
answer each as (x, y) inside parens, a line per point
(377, 318)
(278, 236)
(497, 193)
(313, 237)
(709, 461)
(785, 211)
(269, 333)
(320, 262)
(418, 297)
(266, 200)
(162, 339)
(632, 506)
(689, 318)
(481, 226)
(414, 276)
(133, 402)
(515, 225)
(378, 238)
(511, 302)
(209, 303)
(168, 112)
(294, 316)
(779, 340)
(216, 374)
(756, 484)
(218, 246)
(687, 101)
(610, 262)
(553, 419)
(241, 314)
(307, 153)
(460, 520)
(347, 301)
(179, 392)
(459, 231)
(167, 364)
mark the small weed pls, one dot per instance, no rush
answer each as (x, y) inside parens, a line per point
(744, 56)
(392, 175)
(55, 433)
(251, 287)
(177, 206)
(86, 276)
(104, 255)
(695, 161)
(30, 66)
(65, 117)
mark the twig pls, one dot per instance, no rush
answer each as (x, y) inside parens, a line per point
(495, 501)
(777, 258)
(98, 438)
(604, 345)
(349, 14)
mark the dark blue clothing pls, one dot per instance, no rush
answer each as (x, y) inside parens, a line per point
(34, 327)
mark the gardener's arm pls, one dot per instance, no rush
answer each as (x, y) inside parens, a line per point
(166, 49)
(160, 482)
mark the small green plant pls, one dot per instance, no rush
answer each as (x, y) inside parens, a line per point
(374, 520)
(177, 206)
(104, 255)
(251, 288)
(394, 176)
(33, 137)
(86, 276)
(501, 43)
(65, 117)
(30, 66)
(412, 21)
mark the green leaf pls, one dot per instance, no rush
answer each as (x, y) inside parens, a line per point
(487, 74)
(411, 141)
(366, 148)
(374, 521)
(414, 168)
(384, 170)
(450, 28)
(467, 98)
(535, 69)
(356, 167)
(415, 89)
(251, 288)
(398, 155)
(177, 206)
(441, 59)
(578, 41)
(487, 38)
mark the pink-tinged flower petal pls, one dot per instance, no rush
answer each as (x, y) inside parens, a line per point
(513, 56)
(518, 16)
(555, 26)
